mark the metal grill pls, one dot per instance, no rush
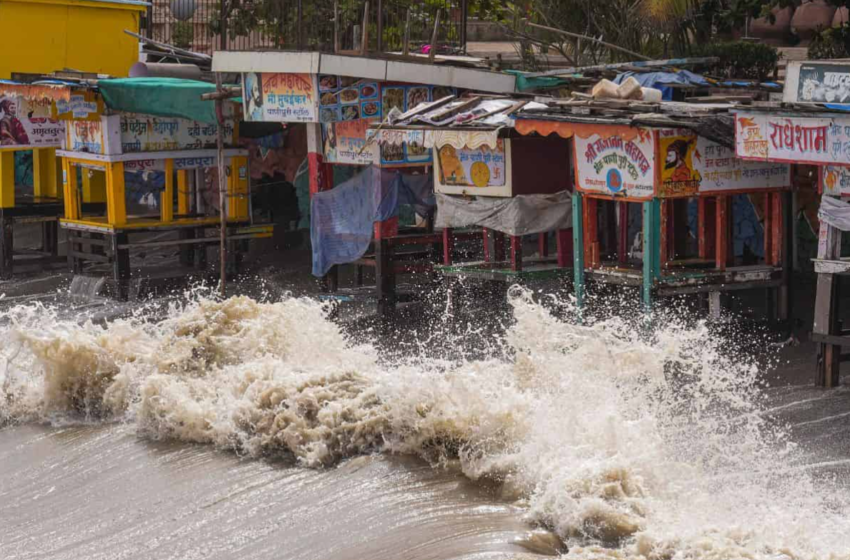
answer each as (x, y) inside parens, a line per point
(306, 24)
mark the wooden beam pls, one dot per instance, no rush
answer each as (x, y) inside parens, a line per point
(448, 246)
(516, 253)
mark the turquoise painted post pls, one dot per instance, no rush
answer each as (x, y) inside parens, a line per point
(651, 249)
(578, 249)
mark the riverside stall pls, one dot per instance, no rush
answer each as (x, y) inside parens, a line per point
(652, 209)
(812, 127)
(488, 177)
(158, 135)
(336, 98)
(32, 122)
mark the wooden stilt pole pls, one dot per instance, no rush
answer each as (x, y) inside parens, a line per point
(222, 183)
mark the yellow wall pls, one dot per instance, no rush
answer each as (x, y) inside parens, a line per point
(43, 36)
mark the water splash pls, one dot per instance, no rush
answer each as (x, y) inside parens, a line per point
(627, 443)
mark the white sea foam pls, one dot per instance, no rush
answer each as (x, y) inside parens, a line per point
(627, 445)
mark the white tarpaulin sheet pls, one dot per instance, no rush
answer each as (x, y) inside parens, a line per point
(835, 212)
(520, 215)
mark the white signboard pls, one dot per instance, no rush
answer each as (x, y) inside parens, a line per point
(280, 97)
(145, 133)
(720, 170)
(792, 139)
(615, 165)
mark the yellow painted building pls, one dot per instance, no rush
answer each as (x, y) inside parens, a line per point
(43, 36)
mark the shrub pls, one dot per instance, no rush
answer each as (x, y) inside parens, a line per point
(741, 59)
(831, 43)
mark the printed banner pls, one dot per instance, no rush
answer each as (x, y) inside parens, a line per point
(143, 133)
(693, 165)
(612, 165)
(85, 136)
(344, 98)
(792, 139)
(28, 122)
(345, 142)
(482, 167)
(280, 97)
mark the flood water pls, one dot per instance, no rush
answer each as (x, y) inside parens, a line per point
(240, 429)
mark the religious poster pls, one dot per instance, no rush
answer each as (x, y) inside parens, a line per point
(615, 165)
(679, 176)
(28, 122)
(401, 147)
(835, 180)
(792, 139)
(144, 133)
(482, 167)
(692, 165)
(280, 97)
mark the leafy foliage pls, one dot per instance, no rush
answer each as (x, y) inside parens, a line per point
(741, 59)
(831, 43)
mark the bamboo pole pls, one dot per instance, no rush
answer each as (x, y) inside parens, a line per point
(433, 50)
(406, 47)
(585, 37)
(336, 26)
(364, 45)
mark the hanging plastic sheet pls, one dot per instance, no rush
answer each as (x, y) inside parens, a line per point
(835, 212)
(519, 215)
(342, 218)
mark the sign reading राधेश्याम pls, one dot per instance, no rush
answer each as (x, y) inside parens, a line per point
(792, 139)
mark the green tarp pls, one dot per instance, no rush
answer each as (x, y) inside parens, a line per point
(163, 97)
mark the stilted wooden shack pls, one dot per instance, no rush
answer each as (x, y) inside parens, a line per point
(652, 208)
(337, 97)
(104, 153)
(29, 122)
(504, 185)
(812, 127)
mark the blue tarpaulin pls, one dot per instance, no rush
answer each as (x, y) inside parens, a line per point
(660, 80)
(342, 219)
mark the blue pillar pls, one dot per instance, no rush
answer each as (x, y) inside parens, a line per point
(651, 249)
(578, 249)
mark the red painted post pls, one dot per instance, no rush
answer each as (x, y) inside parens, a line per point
(485, 234)
(702, 227)
(623, 233)
(776, 233)
(564, 239)
(516, 253)
(720, 231)
(543, 244)
(448, 246)
(499, 246)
